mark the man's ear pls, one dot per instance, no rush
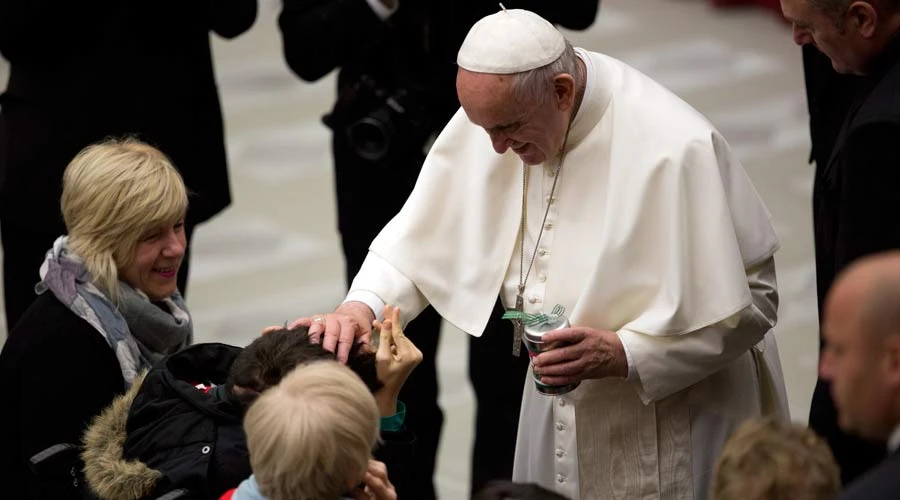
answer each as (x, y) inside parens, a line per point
(863, 18)
(564, 91)
(892, 360)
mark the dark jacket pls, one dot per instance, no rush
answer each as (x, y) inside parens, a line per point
(828, 97)
(165, 435)
(881, 483)
(80, 72)
(855, 206)
(56, 373)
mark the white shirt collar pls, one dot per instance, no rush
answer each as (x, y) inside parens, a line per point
(594, 102)
(894, 439)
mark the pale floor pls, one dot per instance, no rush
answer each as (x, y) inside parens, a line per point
(274, 255)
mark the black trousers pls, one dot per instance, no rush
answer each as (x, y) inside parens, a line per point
(369, 194)
(24, 249)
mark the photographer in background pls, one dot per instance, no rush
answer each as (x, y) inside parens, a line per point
(396, 91)
(81, 72)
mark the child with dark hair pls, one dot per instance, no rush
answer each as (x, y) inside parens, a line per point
(264, 362)
(179, 428)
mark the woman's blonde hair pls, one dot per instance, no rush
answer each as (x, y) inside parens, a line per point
(113, 193)
(312, 433)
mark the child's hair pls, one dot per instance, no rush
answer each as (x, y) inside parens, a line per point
(310, 437)
(270, 357)
(768, 459)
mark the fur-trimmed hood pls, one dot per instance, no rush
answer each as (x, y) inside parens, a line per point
(165, 434)
(108, 474)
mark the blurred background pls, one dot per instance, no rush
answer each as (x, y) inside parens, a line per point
(278, 244)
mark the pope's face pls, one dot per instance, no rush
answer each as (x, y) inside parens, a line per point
(535, 131)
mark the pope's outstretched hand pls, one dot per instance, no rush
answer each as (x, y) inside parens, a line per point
(351, 322)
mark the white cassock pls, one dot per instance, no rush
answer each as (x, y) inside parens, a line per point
(655, 232)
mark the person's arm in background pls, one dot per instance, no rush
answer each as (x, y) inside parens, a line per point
(321, 35)
(41, 33)
(230, 18)
(572, 14)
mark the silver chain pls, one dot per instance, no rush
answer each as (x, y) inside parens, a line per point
(523, 275)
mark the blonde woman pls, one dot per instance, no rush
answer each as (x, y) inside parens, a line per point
(108, 307)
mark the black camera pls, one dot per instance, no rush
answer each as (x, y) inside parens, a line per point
(379, 122)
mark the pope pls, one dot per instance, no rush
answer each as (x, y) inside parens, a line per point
(569, 178)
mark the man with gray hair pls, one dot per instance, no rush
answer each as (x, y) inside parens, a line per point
(857, 181)
(605, 198)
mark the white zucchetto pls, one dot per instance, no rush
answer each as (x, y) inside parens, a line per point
(510, 41)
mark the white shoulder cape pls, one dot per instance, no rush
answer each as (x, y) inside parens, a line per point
(670, 217)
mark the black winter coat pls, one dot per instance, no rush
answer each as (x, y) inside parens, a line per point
(56, 373)
(166, 435)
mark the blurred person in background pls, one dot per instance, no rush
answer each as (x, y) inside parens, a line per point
(395, 91)
(108, 308)
(82, 72)
(856, 127)
(861, 363)
(767, 459)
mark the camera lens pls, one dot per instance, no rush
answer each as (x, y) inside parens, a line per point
(370, 138)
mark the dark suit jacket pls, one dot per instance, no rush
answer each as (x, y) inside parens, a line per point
(881, 483)
(83, 71)
(828, 97)
(855, 209)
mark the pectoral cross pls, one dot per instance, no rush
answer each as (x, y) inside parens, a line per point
(518, 326)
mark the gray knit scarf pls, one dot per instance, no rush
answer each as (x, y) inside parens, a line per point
(139, 331)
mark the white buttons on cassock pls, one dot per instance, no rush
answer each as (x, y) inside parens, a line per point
(560, 426)
(560, 478)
